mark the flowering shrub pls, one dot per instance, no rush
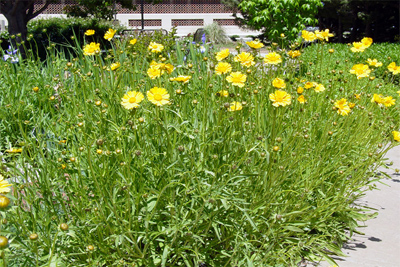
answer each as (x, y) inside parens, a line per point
(189, 157)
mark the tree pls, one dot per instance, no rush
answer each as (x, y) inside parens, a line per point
(275, 17)
(101, 9)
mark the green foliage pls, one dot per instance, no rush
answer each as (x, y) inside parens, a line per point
(102, 9)
(279, 16)
(190, 182)
(216, 34)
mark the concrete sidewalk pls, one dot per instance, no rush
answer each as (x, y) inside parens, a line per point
(380, 246)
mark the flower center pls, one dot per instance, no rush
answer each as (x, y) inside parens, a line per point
(132, 100)
(158, 97)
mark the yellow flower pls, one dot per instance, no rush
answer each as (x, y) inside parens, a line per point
(158, 96)
(358, 96)
(331, 50)
(352, 105)
(14, 150)
(89, 32)
(342, 107)
(294, 54)
(155, 47)
(366, 41)
(393, 68)
(389, 101)
(360, 70)
(374, 62)
(309, 85)
(308, 36)
(300, 90)
(256, 44)
(132, 99)
(278, 83)
(162, 67)
(319, 88)
(133, 41)
(91, 49)
(4, 185)
(237, 78)
(235, 106)
(358, 47)
(223, 68)
(398, 92)
(246, 59)
(115, 66)
(396, 136)
(377, 99)
(223, 93)
(280, 98)
(323, 35)
(109, 34)
(272, 58)
(221, 55)
(181, 78)
(301, 99)
(154, 72)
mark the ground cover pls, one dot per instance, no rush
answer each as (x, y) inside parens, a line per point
(174, 154)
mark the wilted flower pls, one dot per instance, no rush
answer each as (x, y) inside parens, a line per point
(256, 44)
(158, 96)
(132, 99)
(223, 68)
(89, 32)
(155, 47)
(235, 106)
(360, 70)
(4, 185)
(109, 34)
(237, 78)
(278, 83)
(221, 55)
(308, 36)
(273, 58)
(374, 62)
(342, 107)
(393, 68)
(91, 49)
(294, 53)
(181, 78)
(280, 98)
(246, 59)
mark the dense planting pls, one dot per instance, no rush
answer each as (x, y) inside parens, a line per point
(179, 155)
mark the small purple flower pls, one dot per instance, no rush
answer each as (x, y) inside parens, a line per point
(203, 38)
(11, 54)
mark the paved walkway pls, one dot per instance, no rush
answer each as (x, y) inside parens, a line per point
(380, 246)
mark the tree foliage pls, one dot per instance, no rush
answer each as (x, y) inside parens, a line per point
(102, 9)
(275, 17)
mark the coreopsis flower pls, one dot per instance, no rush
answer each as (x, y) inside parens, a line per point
(246, 59)
(301, 99)
(308, 36)
(374, 62)
(158, 96)
(319, 88)
(223, 93)
(115, 66)
(89, 32)
(221, 55)
(162, 67)
(294, 53)
(155, 47)
(396, 136)
(272, 58)
(352, 105)
(357, 96)
(237, 78)
(109, 34)
(388, 101)
(309, 85)
(91, 49)
(280, 98)
(133, 41)
(223, 68)
(366, 41)
(323, 35)
(278, 83)
(378, 99)
(342, 107)
(4, 185)
(360, 70)
(358, 47)
(154, 72)
(14, 150)
(393, 68)
(132, 99)
(256, 44)
(181, 78)
(300, 90)
(235, 106)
